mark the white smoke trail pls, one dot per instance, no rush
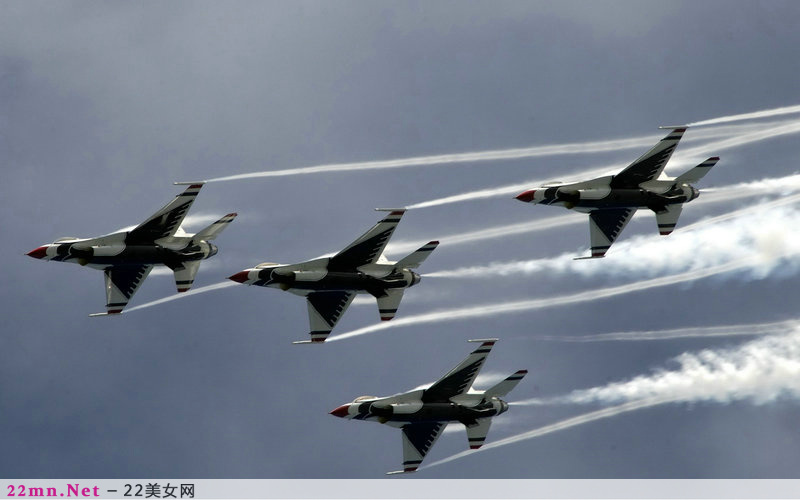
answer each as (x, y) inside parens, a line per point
(685, 157)
(754, 329)
(491, 233)
(750, 116)
(203, 289)
(761, 371)
(490, 155)
(484, 310)
(501, 154)
(558, 426)
(758, 236)
(778, 186)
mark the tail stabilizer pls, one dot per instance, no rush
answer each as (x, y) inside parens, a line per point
(212, 231)
(184, 275)
(476, 434)
(502, 388)
(697, 172)
(416, 258)
(389, 303)
(668, 219)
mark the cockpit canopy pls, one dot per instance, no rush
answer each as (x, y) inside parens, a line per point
(267, 264)
(363, 398)
(67, 238)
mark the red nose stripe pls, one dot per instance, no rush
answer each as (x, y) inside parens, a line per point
(526, 196)
(38, 253)
(340, 411)
(239, 277)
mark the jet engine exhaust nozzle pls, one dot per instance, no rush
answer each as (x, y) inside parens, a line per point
(526, 196)
(239, 277)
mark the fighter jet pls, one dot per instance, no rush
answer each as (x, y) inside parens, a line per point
(330, 283)
(127, 257)
(423, 414)
(612, 200)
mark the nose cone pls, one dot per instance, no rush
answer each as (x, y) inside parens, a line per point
(526, 196)
(239, 277)
(38, 253)
(340, 411)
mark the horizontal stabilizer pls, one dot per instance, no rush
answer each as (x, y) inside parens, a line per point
(504, 387)
(96, 315)
(697, 172)
(400, 472)
(212, 231)
(413, 260)
(389, 303)
(184, 275)
(668, 219)
(476, 434)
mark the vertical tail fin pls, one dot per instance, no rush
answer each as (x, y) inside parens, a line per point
(504, 387)
(212, 231)
(697, 172)
(416, 258)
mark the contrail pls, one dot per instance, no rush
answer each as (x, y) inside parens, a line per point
(202, 289)
(787, 127)
(558, 426)
(750, 116)
(754, 329)
(483, 310)
(777, 185)
(759, 236)
(500, 154)
(761, 371)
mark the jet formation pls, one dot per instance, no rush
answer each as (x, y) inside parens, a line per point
(423, 414)
(330, 283)
(612, 200)
(127, 257)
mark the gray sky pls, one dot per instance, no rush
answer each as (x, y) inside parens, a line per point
(106, 104)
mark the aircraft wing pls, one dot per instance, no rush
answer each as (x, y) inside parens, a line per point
(369, 246)
(167, 220)
(324, 311)
(605, 226)
(418, 439)
(459, 379)
(650, 165)
(121, 283)
(476, 434)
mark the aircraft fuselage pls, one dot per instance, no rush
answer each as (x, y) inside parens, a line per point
(589, 196)
(386, 411)
(101, 253)
(290, 278)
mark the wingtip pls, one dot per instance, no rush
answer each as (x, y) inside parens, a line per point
(189, 183)
(673, 127)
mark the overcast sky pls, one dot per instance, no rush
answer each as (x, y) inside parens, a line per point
(105, 105)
